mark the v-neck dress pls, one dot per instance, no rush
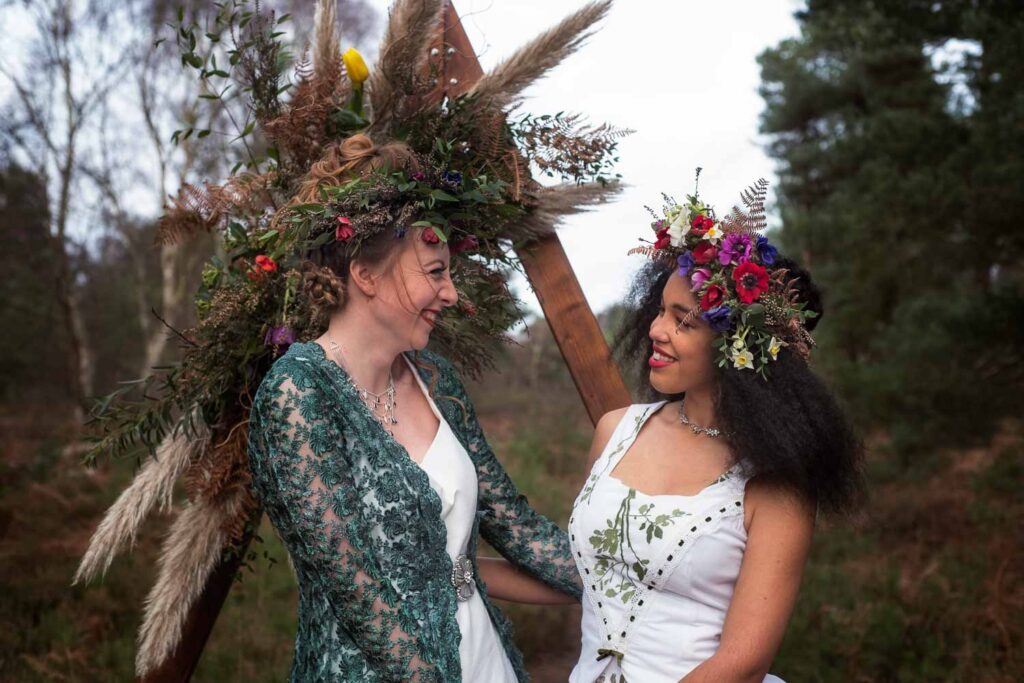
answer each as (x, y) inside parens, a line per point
(453, 477)
(658, 570)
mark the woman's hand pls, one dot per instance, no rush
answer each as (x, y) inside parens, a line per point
(779, 534)
(506, 582)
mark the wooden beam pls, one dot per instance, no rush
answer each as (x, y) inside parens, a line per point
(572, 323)
(574, 328)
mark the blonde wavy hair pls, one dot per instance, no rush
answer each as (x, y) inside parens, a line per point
(325, 274)
(354, 156)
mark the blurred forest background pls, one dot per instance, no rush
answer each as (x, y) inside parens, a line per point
(898, 130)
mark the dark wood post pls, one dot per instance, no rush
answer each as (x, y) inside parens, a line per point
(572, 323)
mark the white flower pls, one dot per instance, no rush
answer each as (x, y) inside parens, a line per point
(738, 343)
(714, 233)
(743, 359)
(774, 346)
(679, 226)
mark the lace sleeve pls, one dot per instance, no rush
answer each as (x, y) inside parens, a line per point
(305, 483)
(525, 537)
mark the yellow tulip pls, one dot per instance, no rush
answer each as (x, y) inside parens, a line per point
(355, 66)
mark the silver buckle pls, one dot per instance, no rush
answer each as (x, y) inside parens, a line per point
(462, 578)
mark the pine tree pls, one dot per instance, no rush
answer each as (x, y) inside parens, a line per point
(899, 134)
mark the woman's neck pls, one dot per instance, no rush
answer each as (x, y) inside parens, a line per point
(700, 407)
(363, 350)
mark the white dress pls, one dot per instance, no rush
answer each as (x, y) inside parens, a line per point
(453, 477)
(658, 571)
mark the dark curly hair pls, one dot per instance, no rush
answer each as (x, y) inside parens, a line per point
(789, 430)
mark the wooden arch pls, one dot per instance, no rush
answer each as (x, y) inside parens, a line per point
(572, 323)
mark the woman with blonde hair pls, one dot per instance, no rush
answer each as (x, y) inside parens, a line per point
(373, 468)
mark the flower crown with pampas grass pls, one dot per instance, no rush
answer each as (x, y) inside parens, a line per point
(456, 169)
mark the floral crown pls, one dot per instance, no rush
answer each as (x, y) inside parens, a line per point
(729, 266)
(464, 212)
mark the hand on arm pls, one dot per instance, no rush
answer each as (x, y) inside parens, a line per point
(310, 496)
(778, 541)
(532, 542)
(505, 582)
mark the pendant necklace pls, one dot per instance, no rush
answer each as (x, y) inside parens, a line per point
(382, 406)
(696, 428)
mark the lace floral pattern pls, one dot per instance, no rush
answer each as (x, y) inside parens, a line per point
(364, 530)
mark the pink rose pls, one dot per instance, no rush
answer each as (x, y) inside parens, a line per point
(344, 231)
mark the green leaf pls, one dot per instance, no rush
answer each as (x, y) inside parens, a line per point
(203, 133)
(321, 240)
(442, 196)
(267, 236)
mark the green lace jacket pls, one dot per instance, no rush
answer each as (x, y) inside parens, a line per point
(363, 527)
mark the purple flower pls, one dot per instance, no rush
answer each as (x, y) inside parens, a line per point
(718, 318)
(280, 338)
(735, 249)
(699, 277)
(418, 177)
(659, 225)
(685, 264)
(766, 251)
(453, 177)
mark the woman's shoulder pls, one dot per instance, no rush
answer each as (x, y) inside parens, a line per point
(293, 370)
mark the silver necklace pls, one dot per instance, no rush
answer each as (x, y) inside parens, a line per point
(696, 428)
(383, 405)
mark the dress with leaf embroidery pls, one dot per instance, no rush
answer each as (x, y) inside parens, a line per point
(363, 526)
(658, 570)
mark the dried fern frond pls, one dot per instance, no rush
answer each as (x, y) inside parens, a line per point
(403, 55)
(201, 209)
(302, 131)
(221, 467)
(648, 251)
(151, 487)
(193, 547)
(567, 147)
(503, 85)
(752, 220)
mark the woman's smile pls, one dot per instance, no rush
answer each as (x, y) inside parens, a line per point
(659, 359)
(431, 315)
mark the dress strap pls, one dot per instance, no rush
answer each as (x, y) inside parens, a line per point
(625, 434)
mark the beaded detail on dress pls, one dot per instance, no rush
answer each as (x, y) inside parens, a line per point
(630, 547)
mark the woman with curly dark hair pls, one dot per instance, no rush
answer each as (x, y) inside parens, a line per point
(693, 528)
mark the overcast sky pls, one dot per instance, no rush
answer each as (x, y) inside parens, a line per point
(681, 73)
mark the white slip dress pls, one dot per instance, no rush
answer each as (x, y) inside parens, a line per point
(658, 570)
(453, 476)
